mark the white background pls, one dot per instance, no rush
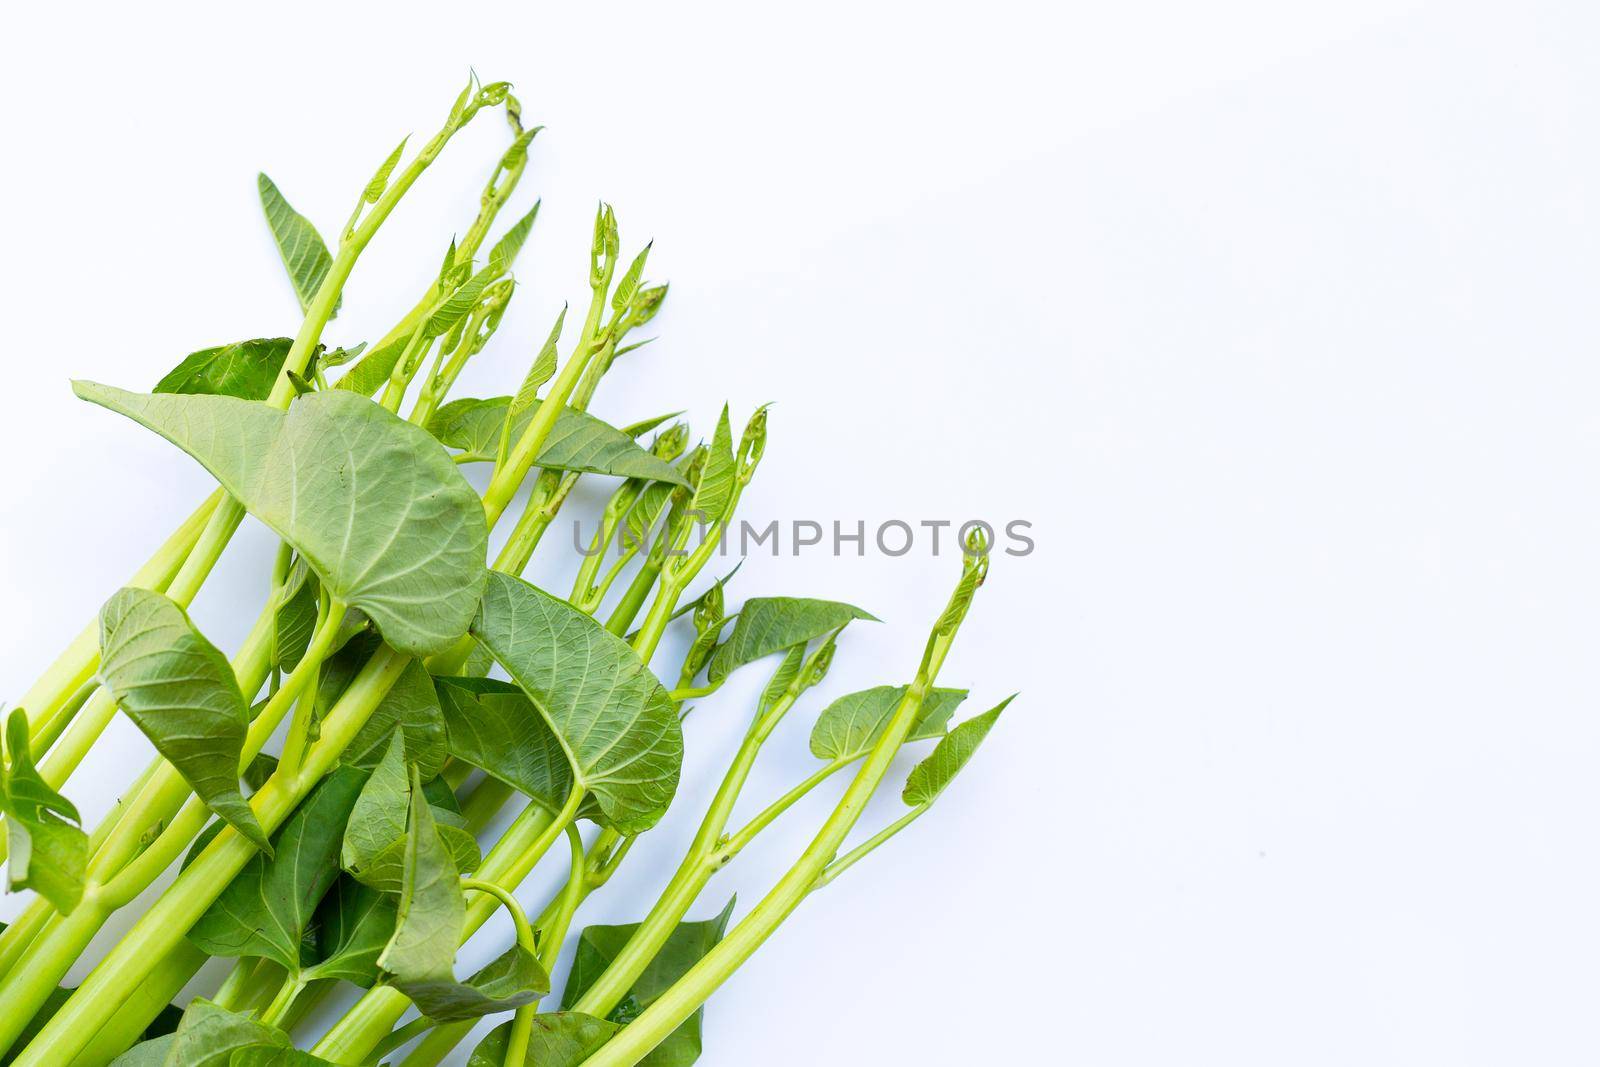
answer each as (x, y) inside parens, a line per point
(1276, 321)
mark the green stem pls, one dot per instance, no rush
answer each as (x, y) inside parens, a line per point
(302, 684)
(162, 928)
(680, 1001)
(291, 987)
(76, 664)
(737, 842)
(700, 862)
(855, 855)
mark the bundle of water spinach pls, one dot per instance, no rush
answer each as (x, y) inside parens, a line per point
(325, 793)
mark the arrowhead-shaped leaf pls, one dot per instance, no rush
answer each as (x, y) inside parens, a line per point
(268, 908)
(850, 726)
(617, 724)
(773, 624)
(929, 778)
(559, 1039)
(245, 369)
(493, 726)
(599, 945)
(371, 502)
(181, 692)
(305, 256)
(356, 922)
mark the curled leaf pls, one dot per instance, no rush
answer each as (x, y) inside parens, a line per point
(48, 849)
(182, 694)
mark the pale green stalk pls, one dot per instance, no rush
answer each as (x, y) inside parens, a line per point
(121, 871)
(679, 1002)
(76, 665)
(144, 949)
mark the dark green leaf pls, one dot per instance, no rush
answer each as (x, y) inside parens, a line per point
(616, 722)
(559, 1039)
(599, 945)
(48, 850)
(305, 257)
(929, 778)
(772, 624)
(432, 912)
(370, 501)
(181, 692)
(512, 979)
(375, 845)
(494, 726)
(296, 617)
(410, 707)
(356, 922)
(268, 908)
(850, 726)
(245, 369)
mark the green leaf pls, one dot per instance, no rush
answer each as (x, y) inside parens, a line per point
(305, 256)
(374, 846)
(493, 726)
(930, 777)
(619, 728)
(268, 908)
(628, 287)
(370, 501)
(209, 1036)
(714, 490)
(374, 368)
(296, 617)
(505, 250)
(512, 979)
(460, 303)
(245, 369)
(644, 426)
(356, 922)
(687, 945)
(782, 678)
(181, 692)
(772, 624)
(410, 708)
(850, 726)
(577, 442)
(432, 912)
(542, 370)
(559, 1039)
(48, 851)
(420, 955)
(380, 181)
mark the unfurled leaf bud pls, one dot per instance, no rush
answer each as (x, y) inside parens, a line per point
(645, 305)
(753, 444)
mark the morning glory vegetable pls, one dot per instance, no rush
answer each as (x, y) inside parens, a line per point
(410, 729)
